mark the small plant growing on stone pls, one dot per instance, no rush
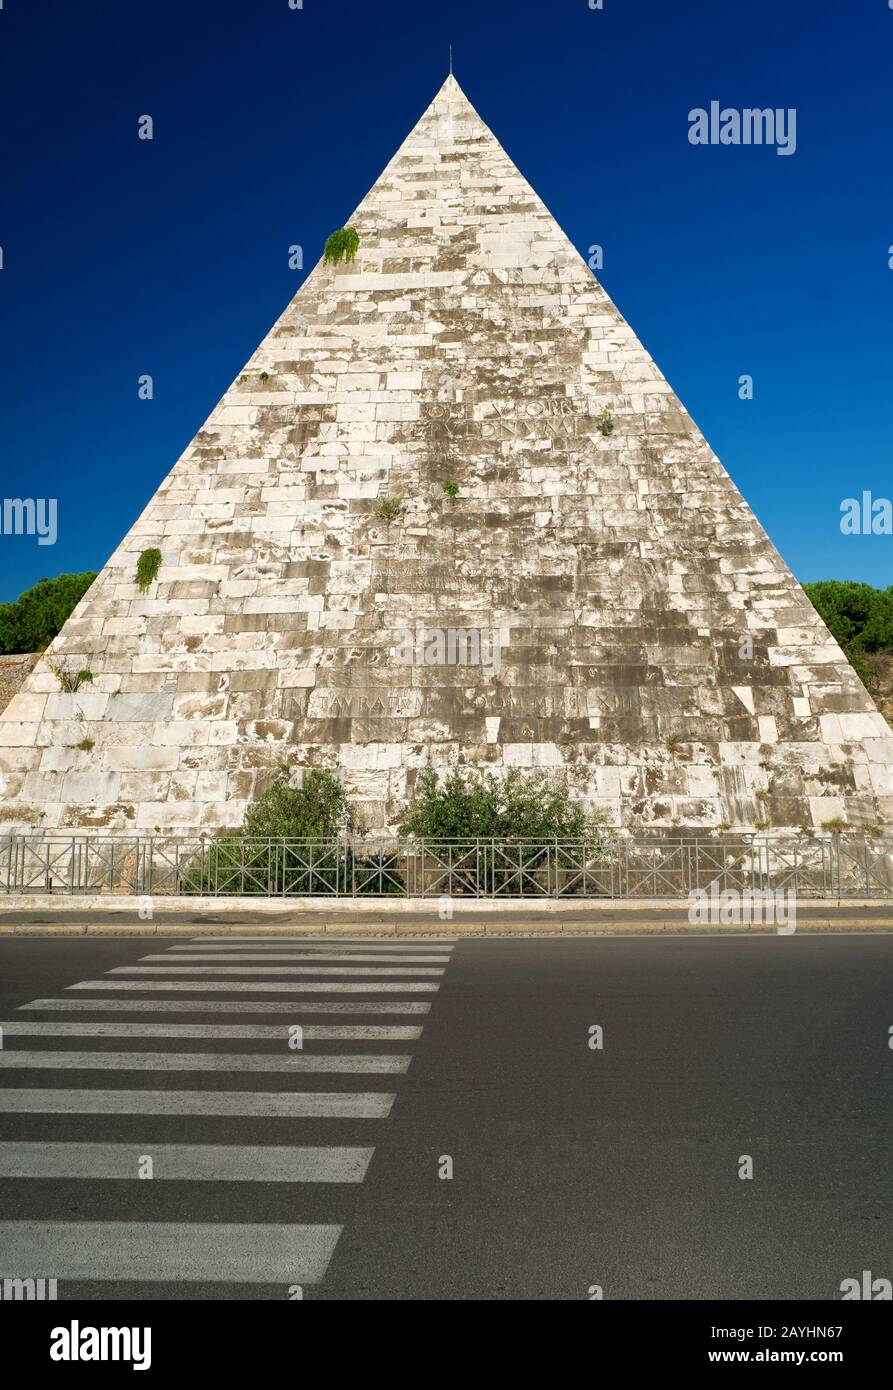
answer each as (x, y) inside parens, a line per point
(761, 825)
(605, 423)
(762, 794)
(242, 380)
(264, 377)
(451, 490)
(86, 744)
(69, 679)
(389, 508)
(836, 823)
(341, 246)
(147, 567)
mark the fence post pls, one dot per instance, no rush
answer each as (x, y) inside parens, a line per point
(865, 852)
(837, 858)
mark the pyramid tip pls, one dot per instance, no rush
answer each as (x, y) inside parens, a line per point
(451, 87)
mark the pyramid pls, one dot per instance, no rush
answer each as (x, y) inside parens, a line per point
(622, 618)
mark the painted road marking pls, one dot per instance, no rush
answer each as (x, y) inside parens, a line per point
(368, 1105)
(186, 1162)
(168, 1250)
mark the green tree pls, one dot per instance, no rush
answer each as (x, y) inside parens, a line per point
(859, 616)
(37, 615)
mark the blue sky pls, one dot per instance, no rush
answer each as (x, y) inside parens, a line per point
(169, 257)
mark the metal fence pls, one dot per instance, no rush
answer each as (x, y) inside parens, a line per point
(240, 866)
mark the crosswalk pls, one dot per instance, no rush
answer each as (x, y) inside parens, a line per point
(283, 1084)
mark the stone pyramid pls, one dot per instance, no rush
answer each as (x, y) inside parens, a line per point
(622, 618)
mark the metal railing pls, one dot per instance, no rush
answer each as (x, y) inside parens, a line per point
(235, 865)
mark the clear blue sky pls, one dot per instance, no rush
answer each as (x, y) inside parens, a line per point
(124, 257)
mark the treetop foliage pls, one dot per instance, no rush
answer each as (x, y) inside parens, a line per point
(37, 616)
(859, 616)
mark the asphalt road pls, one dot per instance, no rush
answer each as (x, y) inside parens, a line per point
(572, 1166)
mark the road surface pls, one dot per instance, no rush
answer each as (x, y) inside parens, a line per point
(322, 1170)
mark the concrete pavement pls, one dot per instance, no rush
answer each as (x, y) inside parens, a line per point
(58, 915)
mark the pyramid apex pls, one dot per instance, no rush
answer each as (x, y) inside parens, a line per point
(451, 89)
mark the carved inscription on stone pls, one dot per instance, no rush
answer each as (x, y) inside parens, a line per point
(553, 417)
(346, 704)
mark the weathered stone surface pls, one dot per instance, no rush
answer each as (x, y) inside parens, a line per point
(14, 671)
(644, 638)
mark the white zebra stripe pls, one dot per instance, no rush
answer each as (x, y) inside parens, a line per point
(176, 954)
(313, 1032)
(294, 1008)
(168, 1250)
(285, 1061)
(266, 987)
(369, 971)
(363, 1105)
(186, 1162)
(384, 943)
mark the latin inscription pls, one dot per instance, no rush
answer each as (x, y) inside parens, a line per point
(553, 417)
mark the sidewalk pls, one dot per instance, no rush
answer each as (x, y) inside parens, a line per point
(58, 915)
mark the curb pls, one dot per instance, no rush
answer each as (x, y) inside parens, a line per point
(454, 930)
(386, 908)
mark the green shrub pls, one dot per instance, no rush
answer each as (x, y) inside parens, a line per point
(147, 567)
(235, 865)
(316, 810)
(520, 812)
(605, 422)
(37, 616)
(379, 874)
(341, 246)
(250, 861)
(478, 804)
(451, 490)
